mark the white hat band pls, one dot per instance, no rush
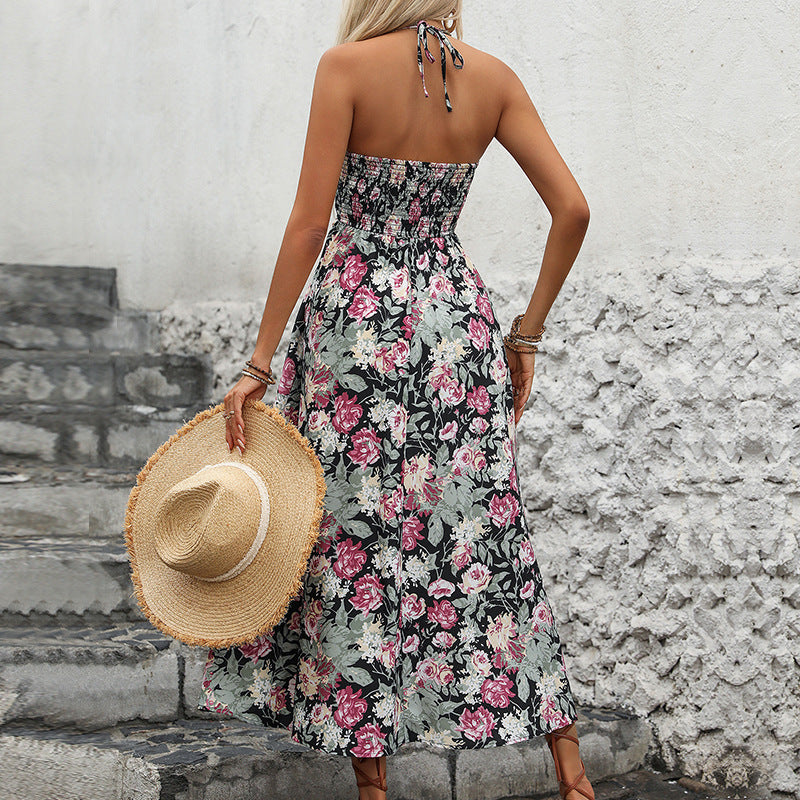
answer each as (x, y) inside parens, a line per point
(263, 522)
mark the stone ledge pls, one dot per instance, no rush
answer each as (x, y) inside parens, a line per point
(215, 758)
(88, 678)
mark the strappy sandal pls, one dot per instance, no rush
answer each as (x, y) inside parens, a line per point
(565, 788)
(379, 782)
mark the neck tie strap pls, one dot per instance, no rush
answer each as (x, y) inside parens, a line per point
(422, 42)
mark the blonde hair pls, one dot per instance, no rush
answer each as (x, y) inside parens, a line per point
(363, 19)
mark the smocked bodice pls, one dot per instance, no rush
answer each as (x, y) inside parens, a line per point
(401, 197)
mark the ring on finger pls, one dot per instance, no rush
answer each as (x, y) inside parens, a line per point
(227, 414)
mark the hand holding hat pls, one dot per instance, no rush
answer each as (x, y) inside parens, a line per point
(219, 540)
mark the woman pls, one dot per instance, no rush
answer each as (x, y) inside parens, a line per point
(422, 615)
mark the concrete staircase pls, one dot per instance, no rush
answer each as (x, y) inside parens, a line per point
(95, 703)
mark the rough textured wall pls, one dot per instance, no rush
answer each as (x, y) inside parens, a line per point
(658, 461)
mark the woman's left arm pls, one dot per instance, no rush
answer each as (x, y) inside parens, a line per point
(329, 123)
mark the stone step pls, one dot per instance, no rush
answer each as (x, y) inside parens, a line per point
(47, 326)
(90, 677)
(41, 283)
(210, 759)
(101, 379)
(120, 437)
(62, 502)
(66, 580)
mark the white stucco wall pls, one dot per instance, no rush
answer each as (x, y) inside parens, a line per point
(659, 452)
(165, 138)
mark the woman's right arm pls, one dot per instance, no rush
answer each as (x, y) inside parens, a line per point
(522, 133)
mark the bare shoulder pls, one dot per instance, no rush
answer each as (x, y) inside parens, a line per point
(497, 76)
(338, 56)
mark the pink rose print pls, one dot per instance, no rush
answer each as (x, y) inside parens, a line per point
(444, 674)
(276, 699)
(476, 725)
(350, 707)
(476, 578)
(350, 558)
(543, 615)
(498, 692)
(440, 588)
(463, 460)
(369, 594)
(319, 714)
(318, 384)
(427, 671)
(443, 612)
(478, 333)
(479, 425)
(365, 447)
(479, 399)
(411, 643)
(347, 412)
(452, 392)
(481, 662)
(440, 285)
(370, 741)
(287, 375)
(444, 640)
(551, 715)
(528, 590)
(448, 431)
(384, 359)
(258, 648)
(400, 350)
(399, 281)
(503, 509)
(365, 304)
(484, 306)
(311, 617)
(397, 419)
(440, 373)
(462, 555)
(388, 654)
(412, 533)
(526, 552)
(411, 607)
(391, 504)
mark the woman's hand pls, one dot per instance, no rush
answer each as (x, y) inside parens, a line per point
(521, 365)
(234, 424)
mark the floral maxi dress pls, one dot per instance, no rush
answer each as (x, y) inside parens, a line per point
(422, 615)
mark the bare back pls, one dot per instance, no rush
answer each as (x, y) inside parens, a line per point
(393, 117)
(368, 98)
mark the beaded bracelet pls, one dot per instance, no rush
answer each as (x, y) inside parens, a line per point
(513, 339)
(266, 372)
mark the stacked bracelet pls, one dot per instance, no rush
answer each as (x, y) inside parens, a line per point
(266, 373)
(529, 341)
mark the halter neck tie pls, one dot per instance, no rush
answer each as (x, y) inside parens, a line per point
(422, 41)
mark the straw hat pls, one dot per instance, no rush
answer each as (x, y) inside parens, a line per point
(218, 541)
